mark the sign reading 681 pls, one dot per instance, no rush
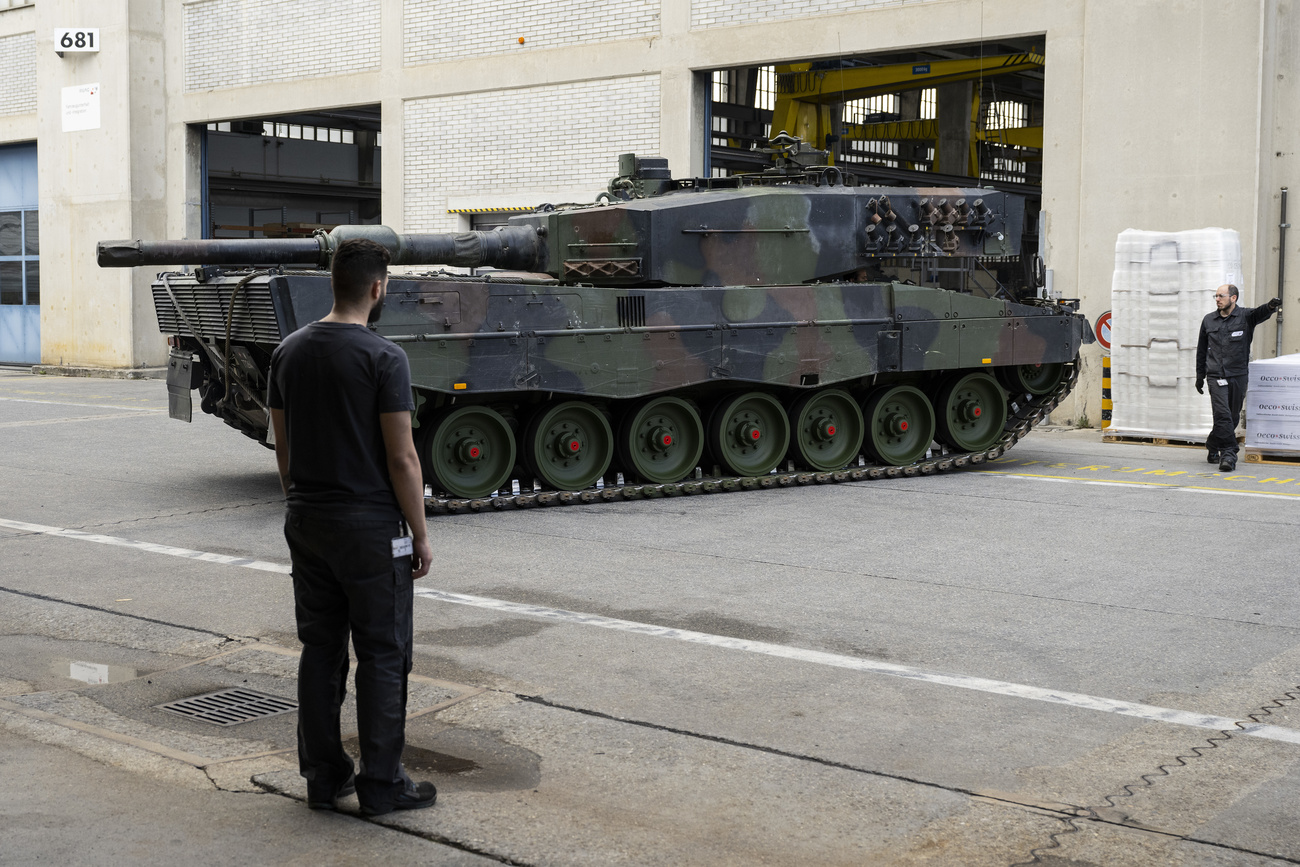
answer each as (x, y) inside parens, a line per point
(76, 39)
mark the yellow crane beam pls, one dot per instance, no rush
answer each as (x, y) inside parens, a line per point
(805, 97)
(798, 82)
(928, 131)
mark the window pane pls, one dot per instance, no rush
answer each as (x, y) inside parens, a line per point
(11, 233)
(11, 282)
(33, 282)
(33, 232)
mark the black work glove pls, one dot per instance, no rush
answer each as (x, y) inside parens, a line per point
(1200, 386)
(1274, 303)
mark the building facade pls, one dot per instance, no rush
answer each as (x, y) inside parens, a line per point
(1155, 114)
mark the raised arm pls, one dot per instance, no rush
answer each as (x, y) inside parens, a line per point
(1263, 311)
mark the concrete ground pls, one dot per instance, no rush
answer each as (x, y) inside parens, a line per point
(1081, 654)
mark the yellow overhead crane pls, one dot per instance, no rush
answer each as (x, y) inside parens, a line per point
(805, 98)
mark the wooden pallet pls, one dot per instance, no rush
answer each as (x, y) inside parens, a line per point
(1133, 439)
(1288, 459)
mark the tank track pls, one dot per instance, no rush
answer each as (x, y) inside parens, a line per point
(1021, 418)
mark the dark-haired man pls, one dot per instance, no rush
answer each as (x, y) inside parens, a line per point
(340, 398)
(1223, 352)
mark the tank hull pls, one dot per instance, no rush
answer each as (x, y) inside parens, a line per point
(543, 359)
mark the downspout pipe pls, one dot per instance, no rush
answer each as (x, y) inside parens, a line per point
(1282, 226)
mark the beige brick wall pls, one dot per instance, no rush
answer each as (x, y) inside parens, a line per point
(277, 40)
(500, 143)
(18, 74)
(436, 30)
(725, 13)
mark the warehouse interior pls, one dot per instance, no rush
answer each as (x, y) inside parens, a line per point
(950, 112)
(289, 175)
(967, 115)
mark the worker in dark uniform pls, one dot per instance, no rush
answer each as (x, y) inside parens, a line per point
(340, 399)
(1223, 353)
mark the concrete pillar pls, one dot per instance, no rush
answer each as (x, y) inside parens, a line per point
(683, 96)
(909, 108)
(952, 151)
(103, 183)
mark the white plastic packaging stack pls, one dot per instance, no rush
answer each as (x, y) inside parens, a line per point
(1273, 405)
(1163, 286)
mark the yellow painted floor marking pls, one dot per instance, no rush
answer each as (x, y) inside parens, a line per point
(1135, 484)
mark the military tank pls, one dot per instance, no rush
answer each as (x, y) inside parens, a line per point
(674, 337)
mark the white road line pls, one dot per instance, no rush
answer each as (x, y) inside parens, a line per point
(1015, 690)
(798, 654)
(71, 418)
(1150, 486)
(91, 405)
(151, 547)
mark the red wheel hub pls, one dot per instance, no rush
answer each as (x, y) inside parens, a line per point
(661, 439)
(469, 451)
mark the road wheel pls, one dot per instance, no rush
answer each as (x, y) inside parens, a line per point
(467, 451)
(568, 445)
(660, 440)
(900, 425)
(827, 430)
(749, 433)
(972, 411)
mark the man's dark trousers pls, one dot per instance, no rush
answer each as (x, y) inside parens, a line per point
(1225, 403)
(345, 579)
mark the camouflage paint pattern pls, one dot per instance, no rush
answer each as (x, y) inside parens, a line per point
(701, 290)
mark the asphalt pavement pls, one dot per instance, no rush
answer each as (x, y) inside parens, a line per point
(1082, 653)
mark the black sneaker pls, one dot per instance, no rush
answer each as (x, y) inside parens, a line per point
(1228, 464)
(318, 800)
(1213, 457)
(416, 796)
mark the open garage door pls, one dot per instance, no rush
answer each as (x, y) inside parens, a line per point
(289, 175)
(954, 116)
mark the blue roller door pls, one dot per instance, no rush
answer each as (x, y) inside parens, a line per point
(20, 261)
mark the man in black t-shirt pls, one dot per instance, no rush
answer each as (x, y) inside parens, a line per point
(340, 399)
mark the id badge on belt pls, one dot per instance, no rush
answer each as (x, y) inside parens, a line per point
(1222, 382)
(402, 546)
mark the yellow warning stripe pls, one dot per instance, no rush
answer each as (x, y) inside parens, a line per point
(513, 208)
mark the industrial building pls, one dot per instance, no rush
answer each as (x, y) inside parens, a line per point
(250, 118)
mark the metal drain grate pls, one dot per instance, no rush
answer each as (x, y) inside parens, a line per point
(229, 707)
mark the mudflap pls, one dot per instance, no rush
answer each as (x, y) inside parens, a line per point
(182, 378)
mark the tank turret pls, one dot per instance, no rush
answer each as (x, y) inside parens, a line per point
(795, 224)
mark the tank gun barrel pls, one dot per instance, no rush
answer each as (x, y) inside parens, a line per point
(509, 247)
(262, 251)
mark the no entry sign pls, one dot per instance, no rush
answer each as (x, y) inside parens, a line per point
(1103, 330)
